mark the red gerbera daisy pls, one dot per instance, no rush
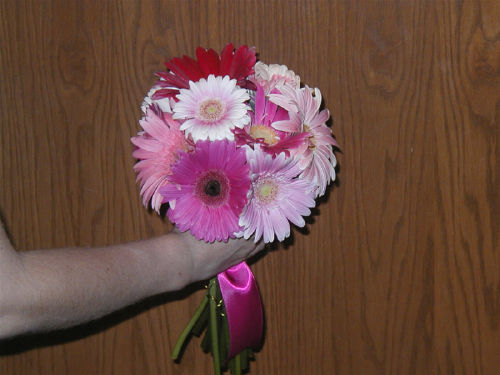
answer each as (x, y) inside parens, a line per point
(236, 63)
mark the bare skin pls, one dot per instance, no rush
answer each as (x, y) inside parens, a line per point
(43, 290)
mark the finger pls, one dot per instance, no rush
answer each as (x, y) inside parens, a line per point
(260, 246)
(3, 233)
(4, 238)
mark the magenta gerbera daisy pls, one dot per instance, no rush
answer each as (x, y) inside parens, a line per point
(211, 108)
(261, 129)
(156, 148)
(276, 197)
(208, 190)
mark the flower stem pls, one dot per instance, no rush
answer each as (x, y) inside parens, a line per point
(212, 291)
(187, 330)
(237, 364)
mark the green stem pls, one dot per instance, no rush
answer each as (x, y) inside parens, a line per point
(212, 291)
(182, 338)
(237, 364)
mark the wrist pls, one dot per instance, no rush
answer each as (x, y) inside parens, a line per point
(176, 253)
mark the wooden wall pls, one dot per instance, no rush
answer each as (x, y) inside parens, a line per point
(398, 272)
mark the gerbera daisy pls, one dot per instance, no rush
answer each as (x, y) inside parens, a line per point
(274, 76)
(261, 129)
(163, 104)
(156, 149)
(208, 190)
(276, 197)
(211, 108)
(316, 157)
(237, 64)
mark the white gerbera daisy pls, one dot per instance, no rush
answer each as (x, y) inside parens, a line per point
(211, 108)
(164, 104)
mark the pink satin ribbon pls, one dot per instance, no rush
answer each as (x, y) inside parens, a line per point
(243, 308)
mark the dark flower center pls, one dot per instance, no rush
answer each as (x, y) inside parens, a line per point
(212, 188)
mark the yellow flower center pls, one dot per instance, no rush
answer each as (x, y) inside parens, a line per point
(211, 110)
(263, 132)
(312, 140)
(266, 190)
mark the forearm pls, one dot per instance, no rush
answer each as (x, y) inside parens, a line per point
(46, 289)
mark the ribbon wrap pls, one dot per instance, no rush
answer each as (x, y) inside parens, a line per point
(243, 308)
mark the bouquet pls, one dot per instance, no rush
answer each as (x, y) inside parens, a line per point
(236, 148)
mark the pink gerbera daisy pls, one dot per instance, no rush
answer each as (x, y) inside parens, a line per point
(156, 149)
(276, 197)
(211, 108)
(316, 157)
(208, 190)
(261, 129)
(236, 63)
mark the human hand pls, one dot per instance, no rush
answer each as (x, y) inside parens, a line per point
(4, 239)
(8, 255)
(209, 259)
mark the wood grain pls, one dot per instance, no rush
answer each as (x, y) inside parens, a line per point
(398, 271)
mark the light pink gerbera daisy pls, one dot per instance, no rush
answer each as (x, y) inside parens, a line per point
(208, 190)
(316, 157)
(276, 197)
(156, 149)
(274, 76)
(211, 108)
